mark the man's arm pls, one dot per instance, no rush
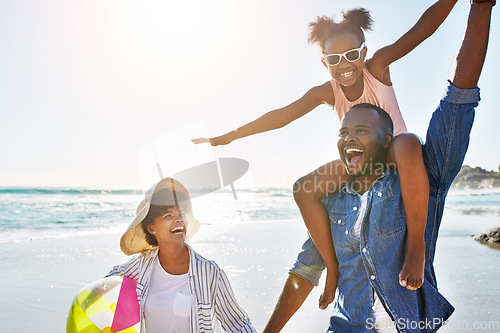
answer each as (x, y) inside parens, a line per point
(470, 58)
(294, 293)
(448, 134)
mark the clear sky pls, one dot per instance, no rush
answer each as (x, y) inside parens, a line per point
(85, 85)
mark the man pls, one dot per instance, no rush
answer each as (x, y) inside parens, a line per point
(367, 217)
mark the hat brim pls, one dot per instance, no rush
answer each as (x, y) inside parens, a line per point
(134, 239)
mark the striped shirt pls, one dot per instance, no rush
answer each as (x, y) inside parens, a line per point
(213, 298)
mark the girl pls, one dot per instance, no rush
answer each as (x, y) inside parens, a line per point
(355, 80)
(178, 290)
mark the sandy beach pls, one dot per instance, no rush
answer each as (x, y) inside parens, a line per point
(41, 277)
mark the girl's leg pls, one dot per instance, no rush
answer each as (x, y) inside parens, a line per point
(406, 152)
(307, 192)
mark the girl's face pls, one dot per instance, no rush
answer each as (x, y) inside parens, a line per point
(170, 226)
(345, 72)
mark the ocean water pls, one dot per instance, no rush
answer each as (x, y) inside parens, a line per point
(38, 213)
(42, 213)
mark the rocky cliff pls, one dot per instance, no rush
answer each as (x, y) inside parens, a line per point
(476, 178)
(490, 237)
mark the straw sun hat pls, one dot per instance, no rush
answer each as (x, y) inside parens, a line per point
(169, 192)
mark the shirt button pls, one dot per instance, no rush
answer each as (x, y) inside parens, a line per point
(346, 232)
(379, 194)
(364, 250)
(339, 221)
(354, 208)
(372, 277)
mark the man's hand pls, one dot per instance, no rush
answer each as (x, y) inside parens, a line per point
(294, 293)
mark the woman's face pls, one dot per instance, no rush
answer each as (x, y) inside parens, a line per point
(345, 72)
(170, 226)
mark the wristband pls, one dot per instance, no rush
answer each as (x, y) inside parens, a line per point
(493, 2)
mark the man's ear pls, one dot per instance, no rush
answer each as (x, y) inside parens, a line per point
(387, 140)
(365, 52)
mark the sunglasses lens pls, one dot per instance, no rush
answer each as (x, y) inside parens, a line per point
(352, 55)
(333, 59)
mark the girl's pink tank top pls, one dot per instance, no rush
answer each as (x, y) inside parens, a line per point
(374, 92)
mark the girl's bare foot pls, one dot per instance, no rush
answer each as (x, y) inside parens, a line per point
(412, 273)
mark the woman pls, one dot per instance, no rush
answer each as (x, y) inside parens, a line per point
(178, 290)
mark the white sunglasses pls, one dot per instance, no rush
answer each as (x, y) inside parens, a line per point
(333, 59)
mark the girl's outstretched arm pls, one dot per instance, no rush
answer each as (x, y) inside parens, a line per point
(428, 23)
(277, 118)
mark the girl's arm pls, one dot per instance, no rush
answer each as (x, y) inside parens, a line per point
(278, 118)
(428, 23)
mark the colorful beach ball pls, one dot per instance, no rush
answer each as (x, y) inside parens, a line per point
(108, 305)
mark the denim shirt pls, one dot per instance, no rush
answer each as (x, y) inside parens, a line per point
(371, 264)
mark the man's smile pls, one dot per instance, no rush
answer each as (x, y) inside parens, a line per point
(353, 154)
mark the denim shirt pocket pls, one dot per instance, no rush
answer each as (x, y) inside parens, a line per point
(338, 221)
(385, 214)
(205, 317)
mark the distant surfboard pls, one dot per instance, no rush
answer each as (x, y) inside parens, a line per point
(108, 305)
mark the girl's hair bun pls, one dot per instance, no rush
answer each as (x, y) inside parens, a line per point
(355, 21)
(358, 17)
(318, 28)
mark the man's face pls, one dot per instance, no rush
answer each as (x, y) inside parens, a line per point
(362, 142)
